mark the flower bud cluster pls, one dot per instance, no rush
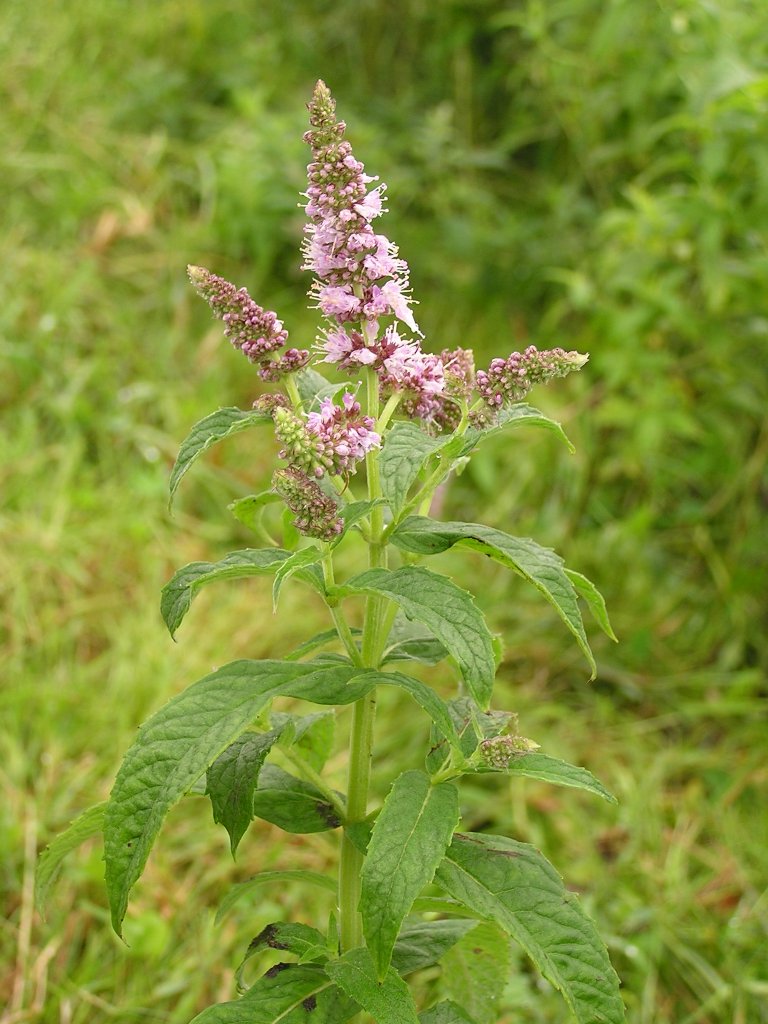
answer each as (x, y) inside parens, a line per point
(333, 440)
(255, 331)
(317, 514)
(510, 380)
(342, 436)
(500, 751)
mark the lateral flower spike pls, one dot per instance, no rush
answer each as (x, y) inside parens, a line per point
(253, 330)
(317, 515)
(510, 380)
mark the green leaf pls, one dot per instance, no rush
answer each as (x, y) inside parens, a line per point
(182, 588)
(84, 826)
(220, 424)
(425, 943)
(291, 566)
(231, 782)
(311, 735)
(314, 387)
(449, 612)
(405, 451)
(388, 1001)
(410, 836)
(184, 738)
(425, 649)
(476, 971)
(319, 640)
(519, 415)
(595, 601)
(559, 773)
(243, 889)
(446, 1012)
(287, 994)
(435, 706)
(249, 510)
(512, 884)
(308, 944)
(353, 513)
(292, 804)
(540, 566)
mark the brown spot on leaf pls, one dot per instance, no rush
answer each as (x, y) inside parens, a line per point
(274, 971)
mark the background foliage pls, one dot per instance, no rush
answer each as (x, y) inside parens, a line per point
(578, 172)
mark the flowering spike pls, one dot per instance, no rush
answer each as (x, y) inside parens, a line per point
(255, 331)
(359, 274)
(510, 380)
(317, 514)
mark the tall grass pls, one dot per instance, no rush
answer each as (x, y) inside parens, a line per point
(576, 173)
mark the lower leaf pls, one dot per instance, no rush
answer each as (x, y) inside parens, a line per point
(287, 994)
(513, 884)
(184, 738)
(388, 1001)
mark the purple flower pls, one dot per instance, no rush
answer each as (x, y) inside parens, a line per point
(342, 436)
(332, 440)
(317, 514)
(510, 380)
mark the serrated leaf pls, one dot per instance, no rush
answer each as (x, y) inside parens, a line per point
(185, 737)
(292, 804)
(449, 612)
(231, 782)
(244, 889)
(304, 942)
(311, 735)
(291, 566)
(446, 1012)
(184, 585)
(595, 601)
(388, 1001)
(519, 415)
(425, 943)
(249, 510)
(210, 430)
(559, 773)
(405, 451)
(435, 706)
(476, 970)
(287, 994)
(84, 826)
(512, 884)
(410, 836)
(540, 566)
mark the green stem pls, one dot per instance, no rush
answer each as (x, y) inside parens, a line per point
(293, 393)
(361, 734)
(339, 621)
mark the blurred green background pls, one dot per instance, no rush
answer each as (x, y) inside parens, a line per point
(584, 173)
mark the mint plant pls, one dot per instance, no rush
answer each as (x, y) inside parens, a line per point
(365, 456)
